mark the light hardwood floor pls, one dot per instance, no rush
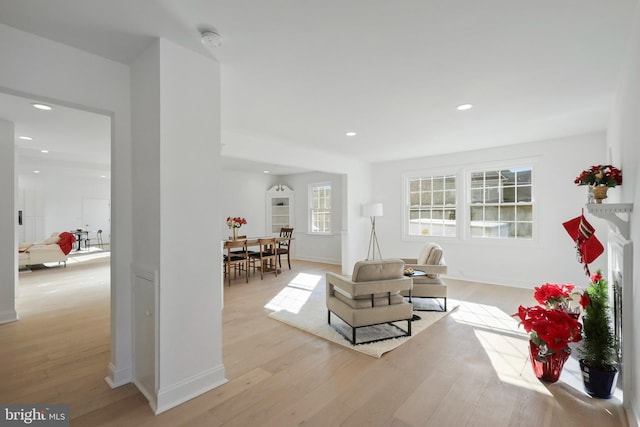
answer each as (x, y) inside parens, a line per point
(469, 369)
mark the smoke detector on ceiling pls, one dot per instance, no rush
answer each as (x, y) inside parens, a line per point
(211, 39)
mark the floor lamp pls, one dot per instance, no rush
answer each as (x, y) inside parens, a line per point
(373, 210)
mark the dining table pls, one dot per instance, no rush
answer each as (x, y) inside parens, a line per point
(254, 241)
(80, 235)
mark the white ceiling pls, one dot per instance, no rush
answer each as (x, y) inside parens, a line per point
(77, 142)
(307, 72)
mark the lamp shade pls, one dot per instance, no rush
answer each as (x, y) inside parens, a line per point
(372, 209)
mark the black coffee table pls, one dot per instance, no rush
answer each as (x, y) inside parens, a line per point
(416, 273)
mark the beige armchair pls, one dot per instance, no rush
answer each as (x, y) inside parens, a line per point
(370, 296)
(426, 278)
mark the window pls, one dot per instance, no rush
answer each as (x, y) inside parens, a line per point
(501, 204)
(432, 206)
(320, 208)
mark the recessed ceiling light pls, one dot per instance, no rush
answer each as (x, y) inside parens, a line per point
(103, 176)
(266, 171)
(36, 171)
(26, 138)
(44, 151)
(41, 106)
(464, 107)
(351, 133)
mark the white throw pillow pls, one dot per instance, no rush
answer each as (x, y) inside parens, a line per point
(51, 240)
(431, 254)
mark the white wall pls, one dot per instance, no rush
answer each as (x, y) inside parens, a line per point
(51, 72)
(314, 247)
(624, 142)
(551, 257)
(8, 216)
(61, 199)
(242, 194)
(355, 174)
(178, 122)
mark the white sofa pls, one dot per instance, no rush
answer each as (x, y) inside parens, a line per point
(48, 250)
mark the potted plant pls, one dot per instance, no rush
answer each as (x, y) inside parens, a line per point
(599, 350)
(551, 325)
(234, 223)
(600, 178)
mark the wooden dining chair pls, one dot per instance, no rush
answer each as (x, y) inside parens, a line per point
(236, 258)
(267, 256)
(284, 246)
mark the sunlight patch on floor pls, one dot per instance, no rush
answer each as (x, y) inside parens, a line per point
(509, 361)
(504, 342)
(507, 346)
(88, 257)
(296, 294)
(487, 316)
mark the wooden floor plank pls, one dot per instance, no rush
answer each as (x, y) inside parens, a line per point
(468, 369)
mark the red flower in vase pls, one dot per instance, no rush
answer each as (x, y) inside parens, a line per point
(554, 323)
(235, 222)
(550, 327)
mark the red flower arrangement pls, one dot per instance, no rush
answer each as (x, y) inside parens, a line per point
(605, 175)
(553, 324)
(235, 222)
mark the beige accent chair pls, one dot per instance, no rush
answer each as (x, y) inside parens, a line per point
(430, 261)
(370, 296)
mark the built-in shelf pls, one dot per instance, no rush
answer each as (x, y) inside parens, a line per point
(611, 213)
(279, 209)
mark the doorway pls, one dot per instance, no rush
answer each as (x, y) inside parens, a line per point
(96, 216)
(62, 158)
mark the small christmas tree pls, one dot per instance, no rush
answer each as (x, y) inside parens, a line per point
(598, 349)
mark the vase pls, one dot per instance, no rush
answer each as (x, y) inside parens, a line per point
(235, 233)
(598, 383)
(600, 193)
(547, 367)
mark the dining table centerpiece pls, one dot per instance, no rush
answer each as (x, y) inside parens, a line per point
(552, 325)
(234, 223)
(599, 178)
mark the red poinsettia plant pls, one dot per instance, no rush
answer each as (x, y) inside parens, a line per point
(235, 222)
(554, 323)
(606, 175)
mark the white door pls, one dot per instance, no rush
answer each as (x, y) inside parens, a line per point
(96, 215)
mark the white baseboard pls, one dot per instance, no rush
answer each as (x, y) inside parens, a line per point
(513, 284)
(174, 395)
(117, 377)
(319, 259)
(8, 316)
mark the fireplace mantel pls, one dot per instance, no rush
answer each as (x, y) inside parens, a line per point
(610, 211)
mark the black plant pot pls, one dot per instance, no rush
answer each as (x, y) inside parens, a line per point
(598, 383)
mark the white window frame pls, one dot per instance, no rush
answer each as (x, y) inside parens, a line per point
(311, 189)
(431, 173)
(503, 165)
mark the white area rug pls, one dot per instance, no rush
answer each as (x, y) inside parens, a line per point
(304, 307)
